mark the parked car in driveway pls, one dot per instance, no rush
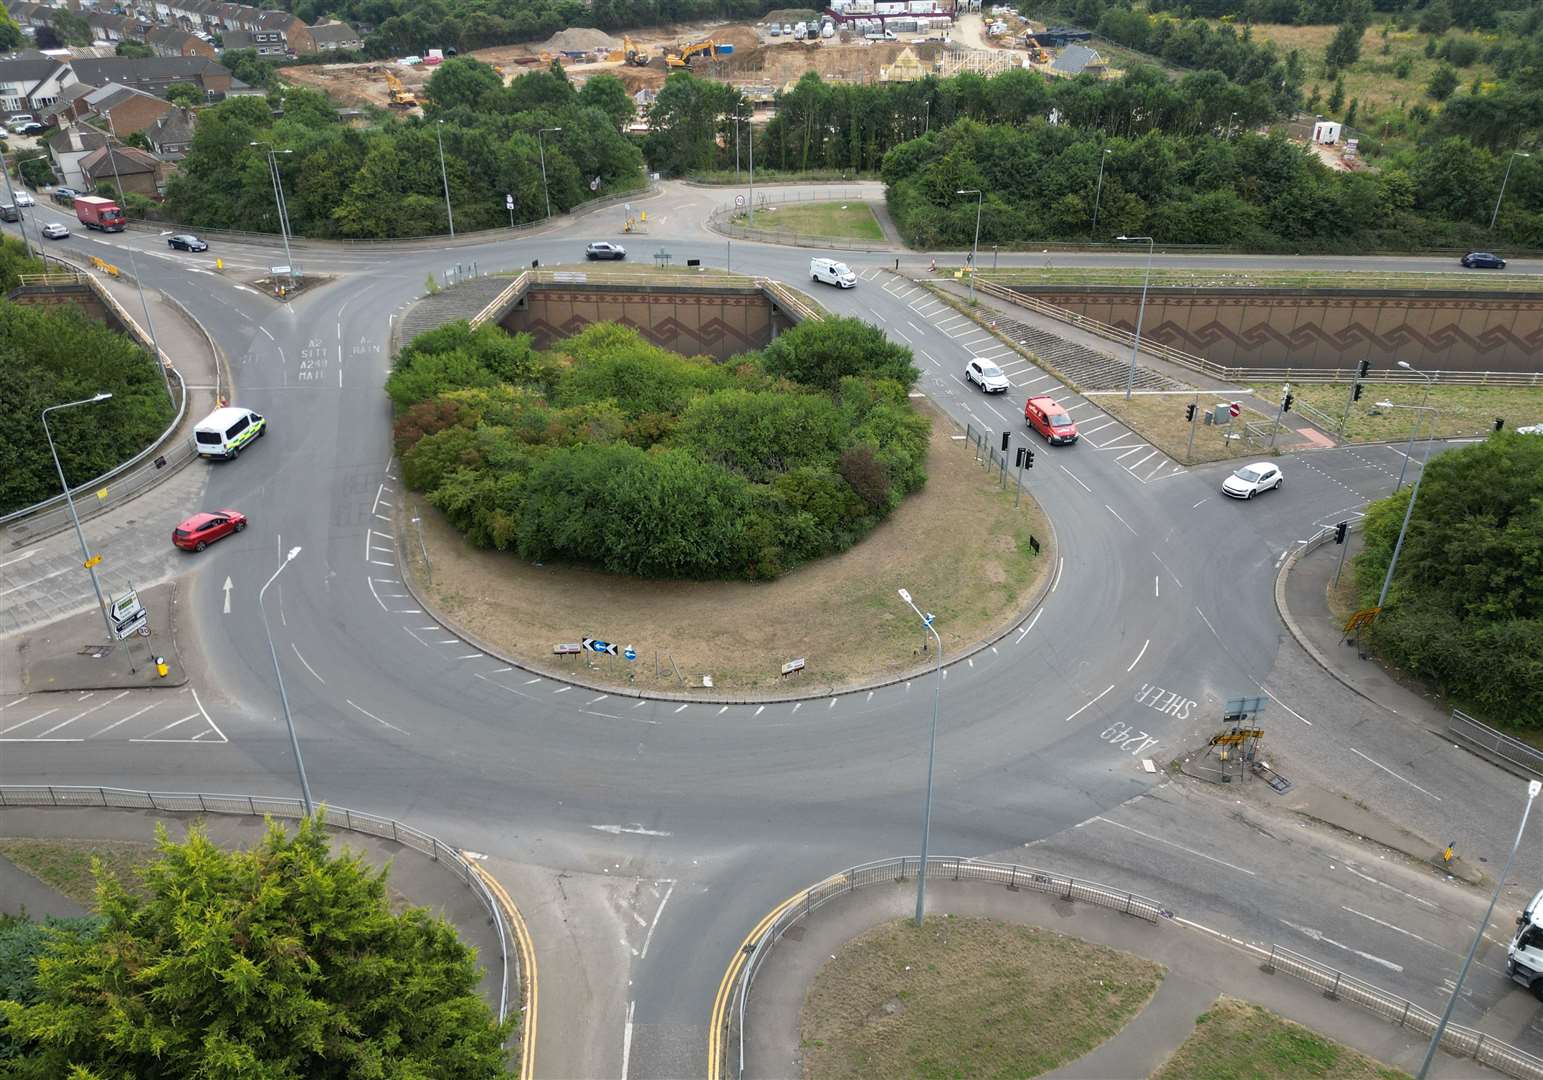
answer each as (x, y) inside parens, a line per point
(1250, 480)
(1483, 260)
(55, 231)
(602, 249)
(987, 376)
(186, 242)
(201, 530)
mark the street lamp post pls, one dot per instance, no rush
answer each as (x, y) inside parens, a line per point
(1098, 196)
(1135, 349)
(1416, 429)
(280, 205)
(980, 200)
(541, 145)
(932, 753)
(1230, 120)
(305, 787)
(1533, 787)
(1413, 495)
(750, 143)
(444, 177)
(1509, 162)
(70, 502)
(21, 224)
(139, 281)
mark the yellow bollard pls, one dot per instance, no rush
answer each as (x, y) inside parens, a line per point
(161, 667)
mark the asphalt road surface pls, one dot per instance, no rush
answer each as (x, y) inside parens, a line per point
(1161, 609)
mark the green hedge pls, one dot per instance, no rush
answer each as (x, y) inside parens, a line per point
(611, 452)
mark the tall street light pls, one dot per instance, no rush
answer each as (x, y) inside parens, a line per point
(541, 145)
(932, 753)
(305, 787)
(1413, 495)
(975, 247)
(278, 200)
(138, 281)
(445, 178)
(1416, 429)
(21, 223)
(750, 139)
(1135, 349)
(1098, 196)
(69, 501)
(1533, 787)
(1511, 161)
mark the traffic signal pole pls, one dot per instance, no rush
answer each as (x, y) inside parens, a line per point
(1189, 451)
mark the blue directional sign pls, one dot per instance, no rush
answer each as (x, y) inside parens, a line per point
(630, 653)
(596, 645)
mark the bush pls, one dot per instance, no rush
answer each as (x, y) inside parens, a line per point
(823, 353)
(762, 434)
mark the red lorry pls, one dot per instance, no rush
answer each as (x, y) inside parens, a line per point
(96, 212)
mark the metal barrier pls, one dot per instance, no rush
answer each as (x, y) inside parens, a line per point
(891, 871)
(279, 806)
(1496, 742)
(1464, 1042)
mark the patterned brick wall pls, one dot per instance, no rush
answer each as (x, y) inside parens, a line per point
(716, 323)
(1326, 328)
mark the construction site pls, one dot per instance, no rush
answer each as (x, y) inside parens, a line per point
(902, 40)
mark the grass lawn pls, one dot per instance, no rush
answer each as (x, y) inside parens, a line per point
(958, 545)
(1159, 418)
(66, 864)
(1463, 280)
(842, 220)
(1234, 1040)
(966, 997)
(1463, 410)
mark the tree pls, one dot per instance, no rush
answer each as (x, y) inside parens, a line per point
(608, 94)
(462, 80)
(823, 353)
(279, 961)
(1345, 48)
(1435, 19)
(1442, 83)
(1337, 95)
(135, 49)
(185, 94)
(684, 121)
(68, 27)
(10, 34)
(1352, 111)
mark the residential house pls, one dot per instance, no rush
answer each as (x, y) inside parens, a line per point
(69, 145)
(123, 109)
(126, 168)
(297, 35)
(168, 41)
(67, 106)
(155, 74)
(172, 135)
(332, 35)
(30, 82)
(111, 28)
(264, 42)
(1075, 60)
(30, 17)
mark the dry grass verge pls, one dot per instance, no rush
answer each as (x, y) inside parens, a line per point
(966, 997)
(66, 864)
(850, 219)
(1461, 410)
(1237, 1039)
(958, 545)
(1159, 419)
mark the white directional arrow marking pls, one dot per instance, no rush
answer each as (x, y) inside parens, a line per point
(227, 587)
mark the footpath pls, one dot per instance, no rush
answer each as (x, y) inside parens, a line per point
(1200, 968)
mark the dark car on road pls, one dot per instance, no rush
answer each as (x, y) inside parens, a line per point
(1483, 260)
(602, 249)
(65, 196)
(201, 530)
(186, 242)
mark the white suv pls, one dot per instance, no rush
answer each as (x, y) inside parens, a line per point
(987, 376)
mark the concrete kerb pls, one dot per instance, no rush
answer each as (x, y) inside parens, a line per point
(1302, 639)
(717, 224)
(558, 675)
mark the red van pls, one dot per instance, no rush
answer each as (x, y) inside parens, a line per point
(1050, 420)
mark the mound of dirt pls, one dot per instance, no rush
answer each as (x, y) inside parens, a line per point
(742, 38)
(577, 38)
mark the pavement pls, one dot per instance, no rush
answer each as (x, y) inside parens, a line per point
(76, 653)
(1199, 968)
(414, 878)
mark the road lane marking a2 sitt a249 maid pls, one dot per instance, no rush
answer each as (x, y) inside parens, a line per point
(1126, 737)
(1167, 702)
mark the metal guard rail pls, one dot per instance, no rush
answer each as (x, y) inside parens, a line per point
(1496, 742)
(1462, 1041)
(952, 868)
(282, 807)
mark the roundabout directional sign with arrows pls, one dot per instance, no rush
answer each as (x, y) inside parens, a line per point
(596, 645)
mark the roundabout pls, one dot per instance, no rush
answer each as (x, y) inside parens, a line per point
(643, 841)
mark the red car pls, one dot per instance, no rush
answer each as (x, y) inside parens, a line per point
(1050, 420)
(201, 530)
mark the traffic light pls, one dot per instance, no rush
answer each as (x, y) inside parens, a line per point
(1007, 437)
(1018, 461)
(1499, 422)
(1285, 405)
(1355, 392)
(1028, 458)
(1362, 369)
(1189, 412)
(1340, 530)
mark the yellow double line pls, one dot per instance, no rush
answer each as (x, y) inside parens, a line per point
(715, 1045)
(527, 968)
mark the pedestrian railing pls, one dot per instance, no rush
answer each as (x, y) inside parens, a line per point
(1498, 743)
(1455, 1039)
(892, 871)
(280, 806)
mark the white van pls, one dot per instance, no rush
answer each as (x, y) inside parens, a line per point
(832, 273)
(224, 432)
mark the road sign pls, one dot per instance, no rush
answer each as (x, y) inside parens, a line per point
(596, 645)
(138, 625)
(128, 615)
(739, 200)
(1234, 408)
(793, 665)
(508, 202)
(630, 653)
(1364, 617)
(567, 648)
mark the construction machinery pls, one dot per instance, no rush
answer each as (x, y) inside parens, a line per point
(401, 97)
(632, 54)
(708, 48)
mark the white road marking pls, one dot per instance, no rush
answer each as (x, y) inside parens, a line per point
(1060, 564)
(1129, 452)
(682, 708)
(125, 720)
(375, 718)
(1121, 520)
(1385, 885)
(18, 701)
(1271, 696)
(720, 711)
(631, 830)
(37, 581)
(562, 690)
(1316, 935)
(1032, 621)
(626, 1039)
(1089, 705)
(1073, 475)
(18, 558)
(759, 709)
(308, 667)
(168, 727)
(88, 712)
(1395, 775)
(1395, 929)
(660, 911)
(1201, 501)
(1181, 847)
(1157, 585)
(1140, 654)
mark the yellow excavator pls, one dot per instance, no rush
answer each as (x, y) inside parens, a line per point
(401, 98)
(632, 54)
(683, 58)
